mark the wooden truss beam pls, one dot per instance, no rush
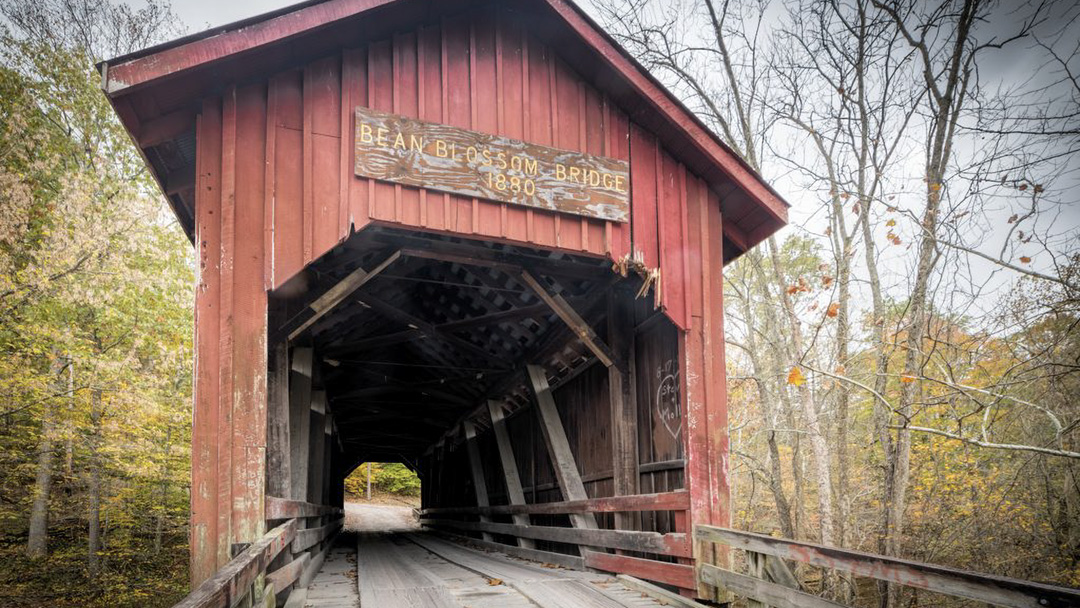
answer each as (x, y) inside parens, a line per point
(562, 308)
(509, 466)
(300, 380)
(332, 297)
(477, 469)
(562, 457)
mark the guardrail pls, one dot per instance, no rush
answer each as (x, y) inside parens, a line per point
(771, 584)
(303, 534)
(593, 542)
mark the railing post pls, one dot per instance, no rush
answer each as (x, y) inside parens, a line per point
(755, 565)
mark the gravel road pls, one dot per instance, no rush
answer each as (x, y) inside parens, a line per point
(360, 517)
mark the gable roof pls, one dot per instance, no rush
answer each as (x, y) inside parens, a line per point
(155, 91)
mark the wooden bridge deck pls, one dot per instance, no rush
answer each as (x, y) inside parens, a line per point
(419, 570)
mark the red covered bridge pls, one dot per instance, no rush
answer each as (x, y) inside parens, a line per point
(473, 237)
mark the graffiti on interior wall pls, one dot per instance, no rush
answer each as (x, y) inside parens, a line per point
(667, 397)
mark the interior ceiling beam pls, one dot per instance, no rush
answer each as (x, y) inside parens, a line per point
(332, 297)
(396, 314)
(387, 390)
(562, 308)
(409, 335)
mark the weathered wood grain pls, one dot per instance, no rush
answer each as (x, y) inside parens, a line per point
(665, 501)
(650, 542)
(440, 157)
(679, 575)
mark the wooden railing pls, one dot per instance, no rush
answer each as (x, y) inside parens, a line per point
(591, 541)
(303, 533)
(770, 583)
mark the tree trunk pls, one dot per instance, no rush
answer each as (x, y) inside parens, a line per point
(93, 560)
(164, 506)
(818, 444)
(37, 538)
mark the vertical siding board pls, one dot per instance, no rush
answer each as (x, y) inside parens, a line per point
(307, 107)
(225, 310)
(268, 187)
(539, 129)
(381, 97)
(670, 216)
(249, 359)
(456, 54)
(485, 109)
(620, 148)
(406, 102)
(643, 182)
(716, 369)
(325, 100)
(595, 234)
(204, 444)
(431, 109)
(288, 175)
(355, 83)
(345, 144)
(512, 111)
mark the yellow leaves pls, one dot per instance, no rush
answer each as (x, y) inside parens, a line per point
(795, 377)
(893, 238)
(935, 187)
(906, 379)
(834, 309)
(890, 223)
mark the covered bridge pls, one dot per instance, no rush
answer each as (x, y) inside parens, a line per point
(473, 237)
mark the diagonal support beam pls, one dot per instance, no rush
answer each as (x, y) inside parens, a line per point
(479, 484)
(509, 464)
(566, 471)
(333, 296)
(562, 308)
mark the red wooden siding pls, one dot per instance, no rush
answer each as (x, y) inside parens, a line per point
(229, 436)
(479, 71)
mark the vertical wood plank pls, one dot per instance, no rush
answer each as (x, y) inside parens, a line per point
(355, 85)
(204, 444)
(286, 90)
(299, 420)
(381, 97)
(225, 437)
(317, 448)
(515, 494)
(406, 102)
(248, 318)
(278, 476)
(322, 102)
(643, 169)
(476, 468)
(624, 453)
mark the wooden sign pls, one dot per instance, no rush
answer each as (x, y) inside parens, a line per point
(440, 157)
